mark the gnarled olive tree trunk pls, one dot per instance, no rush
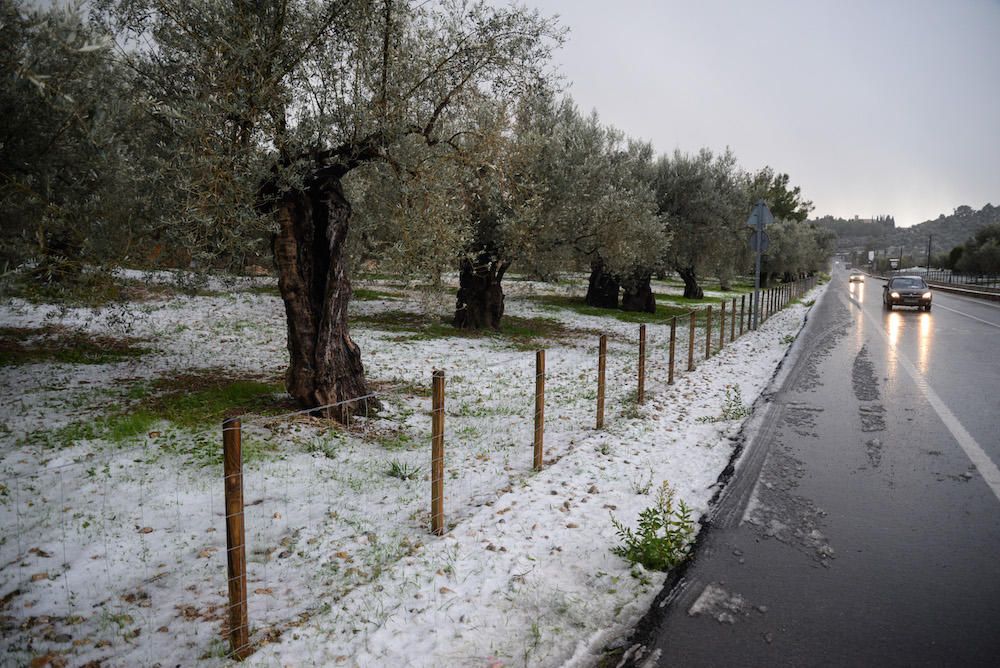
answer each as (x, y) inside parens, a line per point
(325, 364)
(480, 295)
(602, 290)
(691, 288)
(637, 293)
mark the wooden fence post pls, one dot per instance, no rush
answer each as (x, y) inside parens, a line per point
(539, 408)
(691, 344)
(642, 364)
(708, 332)
(732, 322)
(236, 557)
(722, 325)
(743, 308)
(602, 359)
(437, 452)
(673, 346)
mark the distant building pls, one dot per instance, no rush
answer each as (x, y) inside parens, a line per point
(886, 221)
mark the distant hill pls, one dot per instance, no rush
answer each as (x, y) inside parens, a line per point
(882, 234)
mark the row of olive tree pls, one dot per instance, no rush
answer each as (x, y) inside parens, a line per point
(200, 131)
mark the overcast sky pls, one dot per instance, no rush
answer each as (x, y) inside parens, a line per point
(878, 107)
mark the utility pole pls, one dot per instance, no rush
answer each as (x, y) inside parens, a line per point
(929, 237)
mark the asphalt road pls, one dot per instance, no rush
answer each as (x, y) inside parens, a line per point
(862, 527)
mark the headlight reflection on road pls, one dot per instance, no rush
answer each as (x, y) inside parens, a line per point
(926, 334)
(894, 327)
(857, 291)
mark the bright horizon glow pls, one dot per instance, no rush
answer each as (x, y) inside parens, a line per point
(872, 108)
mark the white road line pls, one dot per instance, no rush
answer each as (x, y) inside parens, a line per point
(948, 308)
(987, 469)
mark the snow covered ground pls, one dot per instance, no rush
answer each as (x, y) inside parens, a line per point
(112, 547)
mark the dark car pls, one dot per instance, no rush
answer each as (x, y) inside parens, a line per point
(906, 291)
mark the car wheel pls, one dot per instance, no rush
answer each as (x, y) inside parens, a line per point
(928, 308)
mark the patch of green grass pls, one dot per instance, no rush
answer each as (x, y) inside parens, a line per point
(94, 289)
(681, 299)
(663, 313)
(398, 440)
(263, 290)
(516, 331)
(206, 401)
(400, 386)
(185, 404)
(52, 344)
(365, 294)
(381, 276)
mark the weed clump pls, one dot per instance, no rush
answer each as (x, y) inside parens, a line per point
(663, 538)
(733, 407)
(402, 470)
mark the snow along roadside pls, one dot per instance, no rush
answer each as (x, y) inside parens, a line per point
(530, 579)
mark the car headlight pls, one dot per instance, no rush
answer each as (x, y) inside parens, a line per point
(927, 295)
(894, 295)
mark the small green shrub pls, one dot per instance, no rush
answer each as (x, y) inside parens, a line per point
(402, 470)
(733, 407)
(663, 538)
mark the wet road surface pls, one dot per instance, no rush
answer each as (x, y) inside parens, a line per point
(863, 524)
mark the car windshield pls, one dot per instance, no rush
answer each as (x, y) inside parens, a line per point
(907, 283)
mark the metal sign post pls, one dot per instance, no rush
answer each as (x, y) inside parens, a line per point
(759, 218)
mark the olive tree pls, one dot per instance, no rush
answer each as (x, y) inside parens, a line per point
(74, 180)
(703, 197)
(579, 196)
(277, 102)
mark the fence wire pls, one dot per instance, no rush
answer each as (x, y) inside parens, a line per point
(120, 555)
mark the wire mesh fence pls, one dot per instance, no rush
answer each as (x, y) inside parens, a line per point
(122, 556)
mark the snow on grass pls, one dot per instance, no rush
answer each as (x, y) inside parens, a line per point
(113, 540)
